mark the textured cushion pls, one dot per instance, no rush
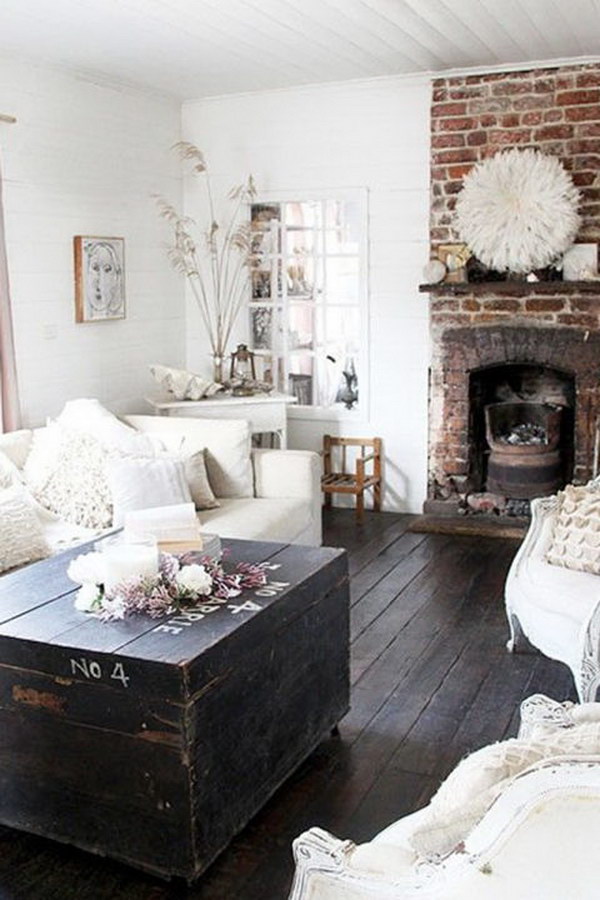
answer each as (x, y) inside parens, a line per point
(226, 443)
(21, 535)
(198, 483)
(575, 542)
(142, 483)
(66, 473)
(469, 791)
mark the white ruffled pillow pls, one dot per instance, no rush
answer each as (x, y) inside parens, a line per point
(21, 536)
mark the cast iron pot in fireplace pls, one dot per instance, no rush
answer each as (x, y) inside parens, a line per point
(525, 458)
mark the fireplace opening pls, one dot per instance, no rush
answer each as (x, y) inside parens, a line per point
(521, 430)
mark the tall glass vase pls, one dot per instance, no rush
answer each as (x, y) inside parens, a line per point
(218, 367)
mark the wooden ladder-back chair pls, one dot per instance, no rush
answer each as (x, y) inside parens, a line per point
(357, 482)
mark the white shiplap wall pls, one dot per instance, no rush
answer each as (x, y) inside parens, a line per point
(84, 159)
(372, 134)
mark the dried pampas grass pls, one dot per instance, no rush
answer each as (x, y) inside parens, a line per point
(517, 211)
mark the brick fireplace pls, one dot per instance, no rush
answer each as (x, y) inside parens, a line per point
(509, 339)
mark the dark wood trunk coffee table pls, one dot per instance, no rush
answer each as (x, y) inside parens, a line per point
(156, 741)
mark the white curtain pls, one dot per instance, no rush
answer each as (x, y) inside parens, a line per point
(9, 395)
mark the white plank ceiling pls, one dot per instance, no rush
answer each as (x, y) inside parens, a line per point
(196, 48)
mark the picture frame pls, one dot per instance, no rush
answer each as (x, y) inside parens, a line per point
(455, 257)
(99, 269)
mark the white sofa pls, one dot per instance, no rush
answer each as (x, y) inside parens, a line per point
(537, 838)
(280, 497)
(557, 609)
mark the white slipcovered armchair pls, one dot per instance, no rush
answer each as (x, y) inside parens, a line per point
(536, 838)
(557, 609)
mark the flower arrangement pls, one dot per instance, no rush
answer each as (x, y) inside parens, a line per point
(180, 583)
(217, 268)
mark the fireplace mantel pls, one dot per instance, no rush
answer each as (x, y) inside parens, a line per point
(510, 288)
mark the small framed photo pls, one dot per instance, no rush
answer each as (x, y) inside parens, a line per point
(99, 278)
(455, 258)
(580, 263)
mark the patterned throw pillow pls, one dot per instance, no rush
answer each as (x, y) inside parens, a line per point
(66, 473)
(21, 536)
(575, 542)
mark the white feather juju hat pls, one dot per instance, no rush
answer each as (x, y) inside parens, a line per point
(517, 211)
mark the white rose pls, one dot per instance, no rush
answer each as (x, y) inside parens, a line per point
(88, 568)
(86, 596)
(194, 578)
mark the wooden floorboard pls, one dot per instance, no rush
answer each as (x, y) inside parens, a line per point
(431, 681)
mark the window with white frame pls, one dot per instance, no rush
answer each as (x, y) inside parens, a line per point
(308, 319)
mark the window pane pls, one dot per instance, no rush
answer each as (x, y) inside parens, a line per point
(342, 325)
(261, 284)
(304, 276)
(265, 368)
(307, 214)
(261, 327)
(342, 279)
(303, 241)
(265, 219)
(342, 223)
(301, 327)
(301, 378)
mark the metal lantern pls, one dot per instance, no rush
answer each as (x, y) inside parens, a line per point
(242, 373)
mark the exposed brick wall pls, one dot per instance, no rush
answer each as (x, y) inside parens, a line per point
(554, 110)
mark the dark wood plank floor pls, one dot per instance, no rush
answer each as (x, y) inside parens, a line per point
(431, 682)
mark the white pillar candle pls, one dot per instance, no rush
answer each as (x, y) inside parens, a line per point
(129, 560)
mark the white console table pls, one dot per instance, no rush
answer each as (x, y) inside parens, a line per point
(264, 412)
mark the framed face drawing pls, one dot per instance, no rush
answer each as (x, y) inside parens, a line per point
(99, 278)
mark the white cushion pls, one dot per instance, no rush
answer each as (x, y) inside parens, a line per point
(21, 535)
(258, 519)
(88, 416)
(227, 444)
(66, 473)
(142, 483)
(16, 445)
